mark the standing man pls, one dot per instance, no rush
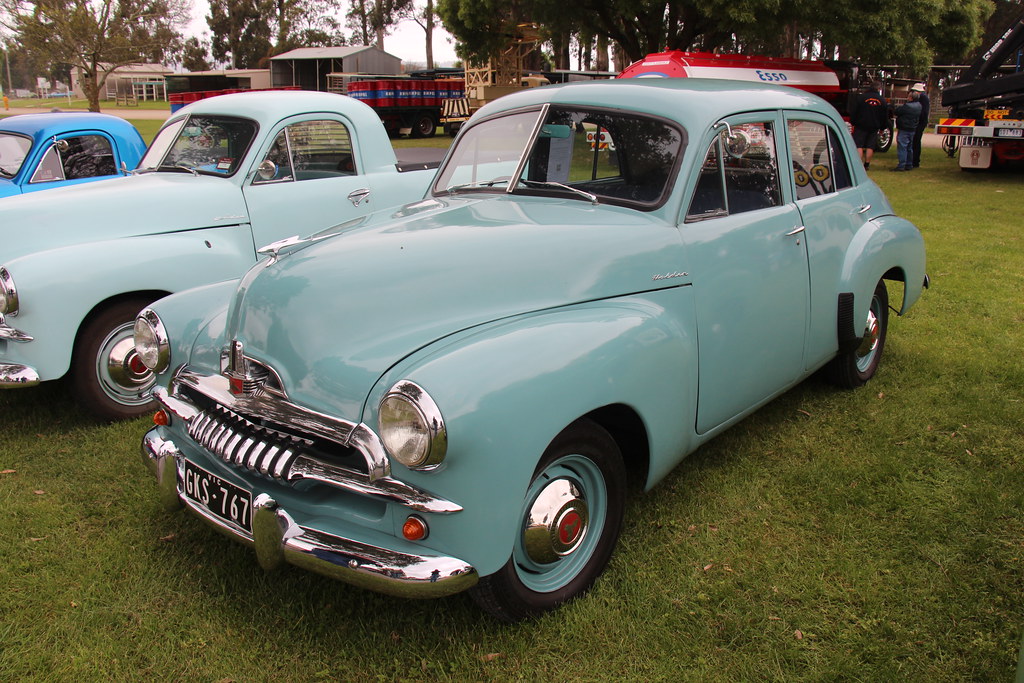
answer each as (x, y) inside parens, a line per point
(907, 116)
(869, 115)
(922, 124)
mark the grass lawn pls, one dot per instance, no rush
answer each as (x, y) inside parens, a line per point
(872, 535)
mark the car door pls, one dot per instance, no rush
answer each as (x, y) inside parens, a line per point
(749, 270)
(72, 159)
(307, 179)
(832, 209)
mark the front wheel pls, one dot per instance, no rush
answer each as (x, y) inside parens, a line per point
(851, 369)
(108, 377)
(568, 526)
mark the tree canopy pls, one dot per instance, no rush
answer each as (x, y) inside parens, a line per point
(96, 36)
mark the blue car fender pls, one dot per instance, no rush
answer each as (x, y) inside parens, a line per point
(547, 369)
(884, 245)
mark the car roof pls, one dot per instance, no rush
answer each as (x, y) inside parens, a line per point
(692, 102)
(47, 125)
(270, 106)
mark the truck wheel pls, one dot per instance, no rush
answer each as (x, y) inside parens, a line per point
(885, 138)
(424, 126)
(570, 521)
(851, 369)
(108, 378)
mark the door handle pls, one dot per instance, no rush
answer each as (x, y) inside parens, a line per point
(357, 197)
(796, 231)
(862, 209)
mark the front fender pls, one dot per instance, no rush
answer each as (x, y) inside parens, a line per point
(883, 244)
(506, 390)
(58, 288)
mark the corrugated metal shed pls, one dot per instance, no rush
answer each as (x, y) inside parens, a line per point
(307, 67)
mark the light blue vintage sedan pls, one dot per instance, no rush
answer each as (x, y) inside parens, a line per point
(451, 396)
(47, 151)
(222, 178)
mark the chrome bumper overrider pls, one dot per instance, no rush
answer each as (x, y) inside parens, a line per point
(277, 539)
(12, 375)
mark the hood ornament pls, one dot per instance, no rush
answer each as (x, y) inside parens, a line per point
(248, 377)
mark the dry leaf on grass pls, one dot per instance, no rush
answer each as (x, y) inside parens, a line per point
(490, 657)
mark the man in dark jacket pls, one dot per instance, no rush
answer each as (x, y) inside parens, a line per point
(907, 116)
(868, 116)
(922, 123)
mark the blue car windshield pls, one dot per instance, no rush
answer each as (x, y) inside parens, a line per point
(13, 150)
(214, 145)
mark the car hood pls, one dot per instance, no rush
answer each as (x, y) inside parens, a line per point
(144, 204)
(333, 317)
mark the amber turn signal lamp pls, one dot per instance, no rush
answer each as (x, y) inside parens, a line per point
(161, 418)
(414, 529)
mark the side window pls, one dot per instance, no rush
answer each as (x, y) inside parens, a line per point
(709, 197)
(809, 145)
(309, 150)
(49, 168)
(739, 173)
(751, 168)
(840, 169)
(87, 156)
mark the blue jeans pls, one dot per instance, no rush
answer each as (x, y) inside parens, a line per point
(904, 149)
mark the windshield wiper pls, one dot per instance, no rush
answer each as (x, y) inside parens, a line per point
(480, 183)
(592, 198)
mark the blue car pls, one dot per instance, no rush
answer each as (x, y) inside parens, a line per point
(43, 151)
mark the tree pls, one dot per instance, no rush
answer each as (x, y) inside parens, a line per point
(241, 34)
(96, 36)
(426, 20)
(371, 20)
(195, 55)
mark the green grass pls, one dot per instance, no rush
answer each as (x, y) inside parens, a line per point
(81, 103)
(872, 535)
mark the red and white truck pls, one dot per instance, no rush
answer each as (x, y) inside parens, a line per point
(838, 82)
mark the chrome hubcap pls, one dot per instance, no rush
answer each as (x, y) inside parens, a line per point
(121, 373)
(869, 344)
(556, 523)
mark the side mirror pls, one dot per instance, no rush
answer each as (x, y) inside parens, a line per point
(266, 170)
(61, 145)
(736, 142)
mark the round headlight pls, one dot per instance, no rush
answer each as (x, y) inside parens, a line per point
(8, 294)
(151, 342)
(411, 426)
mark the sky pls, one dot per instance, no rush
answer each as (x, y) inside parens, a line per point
(406, 42)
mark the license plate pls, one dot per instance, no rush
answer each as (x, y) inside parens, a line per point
(222, 498)
(1010, 132)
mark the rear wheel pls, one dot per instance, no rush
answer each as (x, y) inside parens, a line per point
(569, 525)
(851, 369)
(108, 377)
(424, 126)
(885, 138)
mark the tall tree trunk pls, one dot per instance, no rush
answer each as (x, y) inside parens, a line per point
(601, 62)
(428, 26)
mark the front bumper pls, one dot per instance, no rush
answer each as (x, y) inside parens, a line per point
(14, 375)
(277, 539)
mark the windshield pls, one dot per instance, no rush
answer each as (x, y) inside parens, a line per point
(201, 143)
(13, 150)
(583, 153)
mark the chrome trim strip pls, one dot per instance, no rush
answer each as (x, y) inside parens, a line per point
(203, 429)
(11, 334)
(13, 375)
(277, 539)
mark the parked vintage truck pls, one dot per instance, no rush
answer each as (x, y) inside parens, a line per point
(604, 276)
(223, 177)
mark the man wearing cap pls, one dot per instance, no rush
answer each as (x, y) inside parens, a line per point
(922, 99)
(869, 115)
(908, 115)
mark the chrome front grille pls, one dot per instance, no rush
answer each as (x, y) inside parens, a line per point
(243, 443)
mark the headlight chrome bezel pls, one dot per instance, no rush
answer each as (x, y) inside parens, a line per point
(9, 304)
(407, 402)
(152, 344)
